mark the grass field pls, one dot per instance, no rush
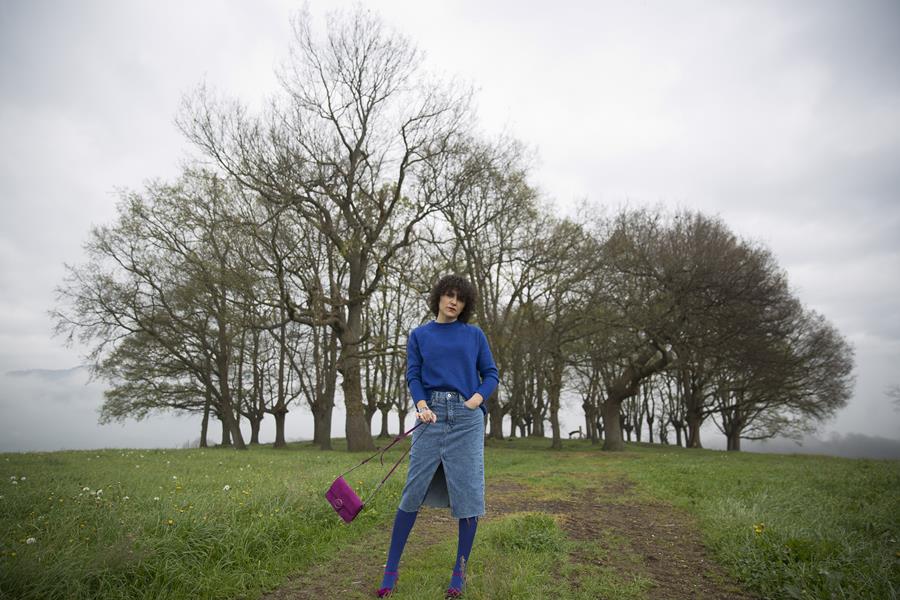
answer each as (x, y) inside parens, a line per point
(216, 523)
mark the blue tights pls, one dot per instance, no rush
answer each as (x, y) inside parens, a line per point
(467, 529)
(403, 524)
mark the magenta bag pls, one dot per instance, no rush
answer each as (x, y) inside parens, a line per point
(342, 497)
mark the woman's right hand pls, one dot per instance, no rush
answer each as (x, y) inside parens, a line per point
(426, 416)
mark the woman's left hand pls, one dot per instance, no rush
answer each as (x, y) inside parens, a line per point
(474, 402)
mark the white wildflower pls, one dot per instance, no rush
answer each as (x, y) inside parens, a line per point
(226, 488)
(30, 540)
(13, 478)
(23, 478)
(14, 482)
(173, 477)
(125, 498)
(156, 498)
(85, 489)
(99, 492)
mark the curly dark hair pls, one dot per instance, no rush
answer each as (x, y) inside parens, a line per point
(465, 291)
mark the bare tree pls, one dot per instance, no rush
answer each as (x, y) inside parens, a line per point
(167, 277)
(786, 385)
(631, 315)
(562, 276)
(489, 236)
(393, 311)
(361, 150)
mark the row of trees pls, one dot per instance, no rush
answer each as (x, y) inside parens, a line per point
(295, 256)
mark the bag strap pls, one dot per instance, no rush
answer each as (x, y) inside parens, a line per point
(381, 452)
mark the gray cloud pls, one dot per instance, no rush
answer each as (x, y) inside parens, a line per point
(782, 117)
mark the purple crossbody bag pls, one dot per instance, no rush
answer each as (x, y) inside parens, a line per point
(342, 497)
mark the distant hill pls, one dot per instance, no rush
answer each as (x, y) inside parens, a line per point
(851, 445)
(48, 374)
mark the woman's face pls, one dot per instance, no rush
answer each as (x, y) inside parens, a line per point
(449, 307)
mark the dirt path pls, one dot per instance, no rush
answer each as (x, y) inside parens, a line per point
(648, 539)
(663, 543)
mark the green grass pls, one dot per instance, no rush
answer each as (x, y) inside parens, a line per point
(522, 555)
(791, 526)
(165, 527)
(160, 524)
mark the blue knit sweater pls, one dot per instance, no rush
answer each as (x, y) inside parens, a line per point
(450, 356)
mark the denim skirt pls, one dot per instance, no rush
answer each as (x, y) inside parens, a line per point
(446, 462)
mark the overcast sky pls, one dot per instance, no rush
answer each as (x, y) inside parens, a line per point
(781, 117)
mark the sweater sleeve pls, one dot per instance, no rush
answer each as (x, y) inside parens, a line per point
(490, 376)
(414, 369)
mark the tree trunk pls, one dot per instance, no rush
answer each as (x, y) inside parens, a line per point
(537, 416)
(554, 391)
(280, 414)
(204, 425)
(227, 405)
(280, 410)
(231, 423)
(384, 423)
(734, 440)
(254, 430)
(324, 403)
(226, 432)
(589, 430)
(356, 428)
(595, 428)
(556, 444)
(650, 428)
(322, 427)
(612, 439)
(495, 415)
(693, 433)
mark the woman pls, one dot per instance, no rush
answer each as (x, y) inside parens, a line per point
(450, 373)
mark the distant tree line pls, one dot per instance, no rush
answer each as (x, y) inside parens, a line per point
(295, 255)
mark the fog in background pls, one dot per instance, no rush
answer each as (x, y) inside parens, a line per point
(781, 117)
(62, 415)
